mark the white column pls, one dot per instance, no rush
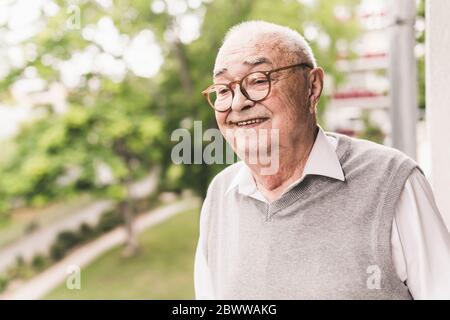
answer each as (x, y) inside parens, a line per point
(403, 76)
(438, 99)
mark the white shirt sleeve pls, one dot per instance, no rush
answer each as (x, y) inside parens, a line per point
(202, 279)
(421, 241)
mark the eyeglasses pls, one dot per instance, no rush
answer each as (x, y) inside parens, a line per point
(255, 86)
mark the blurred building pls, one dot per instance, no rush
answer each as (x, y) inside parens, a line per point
(364, 95)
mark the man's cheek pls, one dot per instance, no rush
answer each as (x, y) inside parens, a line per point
(221, 119)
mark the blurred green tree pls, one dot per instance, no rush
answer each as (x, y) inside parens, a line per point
(118, 124)
(420, 38)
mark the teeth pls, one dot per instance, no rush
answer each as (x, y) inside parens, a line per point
(244, 123)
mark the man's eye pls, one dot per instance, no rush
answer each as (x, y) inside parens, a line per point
(257, 81)
(223, 91)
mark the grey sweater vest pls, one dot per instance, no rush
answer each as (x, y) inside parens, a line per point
(324, 239)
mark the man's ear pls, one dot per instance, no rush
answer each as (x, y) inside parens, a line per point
(315, 87)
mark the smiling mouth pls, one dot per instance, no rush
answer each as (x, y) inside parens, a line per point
(250, 122)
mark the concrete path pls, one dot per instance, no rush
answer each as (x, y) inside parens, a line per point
(40, 240)
(43, 283)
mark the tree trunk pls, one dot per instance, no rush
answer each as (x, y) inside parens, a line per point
(131, 244)
(185, 77)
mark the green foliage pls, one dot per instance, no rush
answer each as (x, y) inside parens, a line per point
(108, 221)
(39, 263)
(173, 175)
(86, 232)
(3, 283)
(65, 241)
(126, 125)
(420, 38)
(371, 131)
(19, 270)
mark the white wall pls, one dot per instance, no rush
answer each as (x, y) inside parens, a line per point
(438, 99)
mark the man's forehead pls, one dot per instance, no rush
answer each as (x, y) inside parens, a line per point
(247, 61)
(247, 55)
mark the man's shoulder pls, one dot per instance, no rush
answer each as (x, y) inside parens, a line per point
(359, 147)
(371, 153)
(222, 180)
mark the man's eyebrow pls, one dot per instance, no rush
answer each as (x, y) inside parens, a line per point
(249, 62)
(256, 61)
(219, 72)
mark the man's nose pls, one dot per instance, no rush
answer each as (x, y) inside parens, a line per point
(240, 102)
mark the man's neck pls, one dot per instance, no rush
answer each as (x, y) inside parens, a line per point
(291, 166)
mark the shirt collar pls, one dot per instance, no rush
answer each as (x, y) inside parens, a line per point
(322, 160)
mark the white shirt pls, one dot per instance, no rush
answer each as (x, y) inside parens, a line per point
(420, 240)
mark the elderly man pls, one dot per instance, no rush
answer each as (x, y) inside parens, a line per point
(340, 218)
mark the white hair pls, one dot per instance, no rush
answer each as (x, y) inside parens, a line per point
(291, 39)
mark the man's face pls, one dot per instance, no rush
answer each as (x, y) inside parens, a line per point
(285, 108)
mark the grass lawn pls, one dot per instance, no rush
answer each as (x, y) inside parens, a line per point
(163, 269)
